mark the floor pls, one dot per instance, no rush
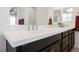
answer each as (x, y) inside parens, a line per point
(75, 50)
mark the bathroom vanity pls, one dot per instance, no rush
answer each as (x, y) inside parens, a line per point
(51, 40)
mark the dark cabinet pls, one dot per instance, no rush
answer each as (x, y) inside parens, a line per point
(65, 44)
(46, 49)
(73, 39)
(70, 43)
(64, 41)
(41, 45)
(67, 40)
(53, 48)
(65, 49)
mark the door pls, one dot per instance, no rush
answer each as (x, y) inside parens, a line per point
(77, 23)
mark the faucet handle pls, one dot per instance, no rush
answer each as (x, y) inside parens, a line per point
(28, 27)
(36, 27)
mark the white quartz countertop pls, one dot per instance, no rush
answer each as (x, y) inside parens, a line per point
(20, 37)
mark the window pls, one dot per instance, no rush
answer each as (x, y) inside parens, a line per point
(12, 20)
(57, 15)
(12, 15)
(67, 14)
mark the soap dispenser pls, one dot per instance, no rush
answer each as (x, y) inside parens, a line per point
(50, 21)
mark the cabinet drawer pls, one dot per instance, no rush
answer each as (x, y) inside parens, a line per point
(64, 34)
(71, 31)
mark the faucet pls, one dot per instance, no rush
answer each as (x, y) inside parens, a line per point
(34, 27)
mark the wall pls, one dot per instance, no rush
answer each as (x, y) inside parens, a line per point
(4, 22)
(42, 15)
(32, 15)
(76, 39)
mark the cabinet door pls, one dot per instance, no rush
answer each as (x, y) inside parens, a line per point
(55, 47)
(70, 43)
(65, 41)
(73, 39)
(65, 44)
(66, 48)
(40, 45)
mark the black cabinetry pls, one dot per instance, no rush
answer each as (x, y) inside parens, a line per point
(53, 47)
(67, 40)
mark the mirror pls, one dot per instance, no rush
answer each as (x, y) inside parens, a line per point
(13, 14)
(29, 15)
(67, 14)
(57, 15)
(39, 15)
(22, 15)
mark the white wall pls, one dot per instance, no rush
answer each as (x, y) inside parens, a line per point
(76, 39)
(4, 21)
(42, 15)
(32, 15)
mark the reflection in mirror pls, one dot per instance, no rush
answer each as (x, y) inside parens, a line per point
(32, 15)
(22, 16)
(39, 15)
(13, 14)
(67, 14)
(57, 15)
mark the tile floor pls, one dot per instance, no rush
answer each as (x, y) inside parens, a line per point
(75, 50)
